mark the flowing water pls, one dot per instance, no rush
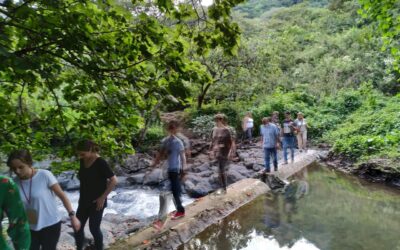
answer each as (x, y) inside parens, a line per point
(139, 202)
(320, 209)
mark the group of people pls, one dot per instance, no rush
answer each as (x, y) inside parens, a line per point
(29, 200)
(274, 134)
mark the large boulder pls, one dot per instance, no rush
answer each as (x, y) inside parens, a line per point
(154, 177)
(68, 180)
(136, 179)
(134, 163)
(200, 189)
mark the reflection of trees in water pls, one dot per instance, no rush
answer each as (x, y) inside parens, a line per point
(338, 213)
(267, 216)
(228, 234)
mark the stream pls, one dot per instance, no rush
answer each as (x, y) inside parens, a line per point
(321, 209)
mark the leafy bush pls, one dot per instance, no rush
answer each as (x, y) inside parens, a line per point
(202, 126)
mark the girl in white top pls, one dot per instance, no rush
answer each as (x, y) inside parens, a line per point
(247, 125)
(301, 126)
(38, 189)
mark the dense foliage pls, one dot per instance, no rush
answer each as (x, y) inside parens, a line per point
(325, 62)
(98, 69)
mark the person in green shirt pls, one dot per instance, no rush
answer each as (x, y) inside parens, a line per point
(11, 205)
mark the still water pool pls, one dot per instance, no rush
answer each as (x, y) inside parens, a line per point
(321, 209)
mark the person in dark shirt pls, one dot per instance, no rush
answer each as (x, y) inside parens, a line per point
(97, 181)
(221, 148)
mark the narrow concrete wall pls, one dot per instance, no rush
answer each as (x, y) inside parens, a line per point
(208, 210)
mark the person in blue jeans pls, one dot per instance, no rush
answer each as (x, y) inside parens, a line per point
(173, 149)
(288, 135)
(270, 140)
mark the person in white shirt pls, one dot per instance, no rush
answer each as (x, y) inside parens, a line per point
(248, 125)
(38, 189)
(301, 126)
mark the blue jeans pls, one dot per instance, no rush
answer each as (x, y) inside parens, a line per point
(288, 142)
(249, 134)
(176, 189)
(267, 154)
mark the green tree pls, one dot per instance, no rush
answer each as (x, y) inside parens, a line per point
(72, 69)
(386, 13)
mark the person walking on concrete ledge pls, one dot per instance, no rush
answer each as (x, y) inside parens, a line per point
(289, 139)
(172, 148)
(270, 142)
(221, 146)
(301, 125)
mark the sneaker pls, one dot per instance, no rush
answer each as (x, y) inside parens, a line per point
(275, 169)
(178, 215)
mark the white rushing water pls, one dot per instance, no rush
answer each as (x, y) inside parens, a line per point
(140, 203)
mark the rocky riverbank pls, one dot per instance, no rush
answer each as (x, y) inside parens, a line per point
(374, 170)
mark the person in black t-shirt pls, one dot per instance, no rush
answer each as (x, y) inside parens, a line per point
(97, 181)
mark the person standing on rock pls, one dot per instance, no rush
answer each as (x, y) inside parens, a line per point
(97, 181)
(288, 134)
(221, 147)
(301, 125)
(38, 189)
(12, 206)
(247, 126)
(173, 149)
(270, 142)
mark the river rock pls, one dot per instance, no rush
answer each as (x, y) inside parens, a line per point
(123, 182)
(154, 177)
(135, 179)
(200, 189)
(135, 163)
(68, 180)
(203, 167)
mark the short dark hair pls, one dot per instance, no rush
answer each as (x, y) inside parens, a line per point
(172, 124)
(21, 154)
(87, 146)
(287, 113)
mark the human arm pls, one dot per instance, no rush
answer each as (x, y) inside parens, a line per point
(112, 182)
(156, 160)
(183, 162)
(76, 224)
(18, 229)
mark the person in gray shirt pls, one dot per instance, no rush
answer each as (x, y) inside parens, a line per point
(270, 142)
(172, 148)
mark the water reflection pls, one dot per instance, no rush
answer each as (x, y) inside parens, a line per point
(319, 209)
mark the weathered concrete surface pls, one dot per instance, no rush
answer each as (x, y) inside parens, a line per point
(208, 210)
